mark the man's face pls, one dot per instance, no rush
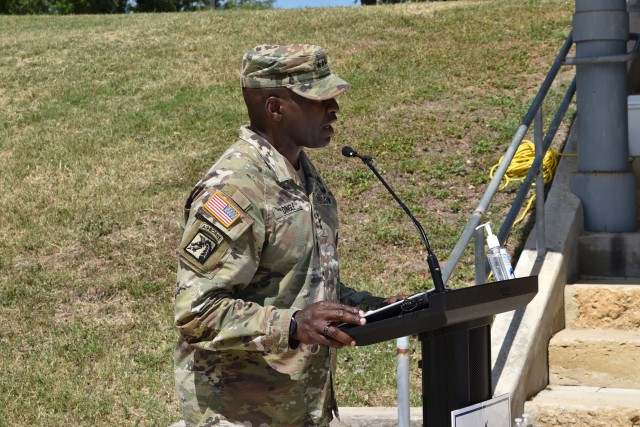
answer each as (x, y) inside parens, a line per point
(308, 122)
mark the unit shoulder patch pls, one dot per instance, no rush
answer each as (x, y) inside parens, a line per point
(202, 247)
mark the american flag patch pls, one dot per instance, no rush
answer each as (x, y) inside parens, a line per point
(221, 209)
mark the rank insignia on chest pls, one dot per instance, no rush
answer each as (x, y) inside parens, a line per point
(222, 209)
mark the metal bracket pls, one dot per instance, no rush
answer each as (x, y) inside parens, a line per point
(572, 60)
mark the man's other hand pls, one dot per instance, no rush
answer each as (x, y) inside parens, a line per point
(393, 299)
(317, 324)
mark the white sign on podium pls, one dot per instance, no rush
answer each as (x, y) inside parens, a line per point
(494, 412)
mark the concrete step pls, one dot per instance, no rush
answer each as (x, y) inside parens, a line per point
(595, 357)
(585, 407)
(614, 304)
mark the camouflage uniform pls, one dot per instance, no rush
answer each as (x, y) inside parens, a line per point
(257, 246)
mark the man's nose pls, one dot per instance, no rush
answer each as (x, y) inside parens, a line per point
(332, 105)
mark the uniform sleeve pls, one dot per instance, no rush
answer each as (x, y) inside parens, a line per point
(361, 299)
(218, 256)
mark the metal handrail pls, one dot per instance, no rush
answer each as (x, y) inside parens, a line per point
(481, 210)
(534, 114)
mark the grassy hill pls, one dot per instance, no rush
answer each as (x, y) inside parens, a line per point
(107, 121)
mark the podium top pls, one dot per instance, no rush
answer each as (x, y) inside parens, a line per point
(427, 311)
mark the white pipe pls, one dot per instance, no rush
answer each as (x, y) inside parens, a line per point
(403, 381)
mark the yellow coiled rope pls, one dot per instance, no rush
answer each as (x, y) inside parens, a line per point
(520, 165)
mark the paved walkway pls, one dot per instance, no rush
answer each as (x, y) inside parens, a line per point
(366, 417)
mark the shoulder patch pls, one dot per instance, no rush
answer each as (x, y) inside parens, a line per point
(218, 206)
(201, 247)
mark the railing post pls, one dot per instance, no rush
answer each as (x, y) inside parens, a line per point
(539, 154)
(480, 264)
(402, 375)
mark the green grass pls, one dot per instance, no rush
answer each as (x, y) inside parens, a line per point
(108, 121)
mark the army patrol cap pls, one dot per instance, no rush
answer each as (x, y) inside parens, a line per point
(303, 68)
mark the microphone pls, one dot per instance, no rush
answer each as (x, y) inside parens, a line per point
(432, 261)
(350, 152)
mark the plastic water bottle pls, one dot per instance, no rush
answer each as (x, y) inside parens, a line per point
(497, 256)
(518, 422)
(525, 420)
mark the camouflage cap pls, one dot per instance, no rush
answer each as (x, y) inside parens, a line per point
(303, 68)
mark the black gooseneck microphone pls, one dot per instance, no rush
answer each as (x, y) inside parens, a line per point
(432, 261)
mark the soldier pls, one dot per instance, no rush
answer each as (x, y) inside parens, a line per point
(258, 289)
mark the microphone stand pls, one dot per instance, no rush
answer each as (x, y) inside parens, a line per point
(432, 261)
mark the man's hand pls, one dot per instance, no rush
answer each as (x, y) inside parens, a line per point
(315, 324)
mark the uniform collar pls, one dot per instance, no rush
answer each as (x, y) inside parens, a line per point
(280, 166)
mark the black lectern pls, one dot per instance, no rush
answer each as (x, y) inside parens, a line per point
(454, 329)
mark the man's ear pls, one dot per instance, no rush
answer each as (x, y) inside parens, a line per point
(273, 107)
